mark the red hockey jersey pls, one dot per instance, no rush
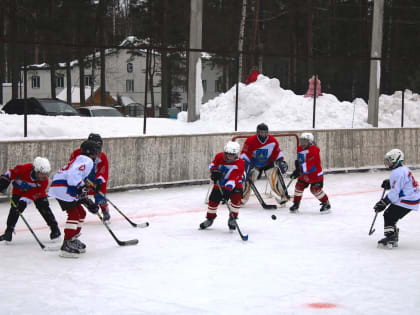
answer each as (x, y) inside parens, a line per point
(101, 168)
(25, 185)
(260, 154)
(310, 164)
(232, 171)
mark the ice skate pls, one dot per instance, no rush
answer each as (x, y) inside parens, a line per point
(80, 245)
(55, 234)
(389, 241)
(106, 217)
(205, 224)
(69, 249)
(325, 207)
(295, 207)
(231, 223)
(7, 236)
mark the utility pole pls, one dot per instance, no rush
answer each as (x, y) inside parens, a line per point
(375, 65)
(195, 88)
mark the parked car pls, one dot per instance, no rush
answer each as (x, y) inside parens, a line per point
(40, 106)
(99, 111)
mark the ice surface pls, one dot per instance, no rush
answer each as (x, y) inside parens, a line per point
(177, 269)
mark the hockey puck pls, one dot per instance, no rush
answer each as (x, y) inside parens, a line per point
(274, 217)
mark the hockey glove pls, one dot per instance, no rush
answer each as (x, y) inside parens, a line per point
(216, 175)
(386, 184)
(226, 194)
(381, 205)
(90, 205)
(4, 183)
(99, 199)
(296, 173)
(282, 165)
(97, 186)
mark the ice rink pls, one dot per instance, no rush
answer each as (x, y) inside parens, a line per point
(303, 263)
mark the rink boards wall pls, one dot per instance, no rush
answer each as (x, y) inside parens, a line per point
(148, 161)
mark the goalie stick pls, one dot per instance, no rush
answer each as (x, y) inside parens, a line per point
(121, 243)
(283, 185)
(243, 237)
(260, 199)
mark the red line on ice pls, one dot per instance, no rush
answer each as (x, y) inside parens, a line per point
(176, 212)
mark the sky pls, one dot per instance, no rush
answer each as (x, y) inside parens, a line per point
(262, 101)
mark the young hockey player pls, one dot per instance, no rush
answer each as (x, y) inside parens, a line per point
(403, 196)
(69, 188)
(30, 182)
(309, 172)
(261, 152)
(227, 169)
(99, 176)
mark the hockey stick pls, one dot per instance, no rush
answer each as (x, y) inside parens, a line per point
(243, 237)
(206, 200)
(43, 247)
(260, 199)
(121, 243)
(140, 225)
(372, 230)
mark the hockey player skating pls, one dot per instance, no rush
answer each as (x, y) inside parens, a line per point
(309, 172)
(227, 170)
(68, 187)
(261, 152)
(30, 182)
(99, 176)
(403, 196)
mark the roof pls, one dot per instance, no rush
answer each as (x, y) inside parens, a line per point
(75, 94)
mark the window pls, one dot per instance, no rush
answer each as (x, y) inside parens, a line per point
(204, 82)
(36, 82)
(129, 85)
(88, 80)
(218, 87)
(130, 67)
(59, 81)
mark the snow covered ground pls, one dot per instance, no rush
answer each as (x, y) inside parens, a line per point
(262, 101)
(286, 266)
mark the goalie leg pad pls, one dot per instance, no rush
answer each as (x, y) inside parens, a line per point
(273, 179)
(247, 187)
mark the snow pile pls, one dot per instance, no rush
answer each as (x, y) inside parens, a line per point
(265, 101)
(261, 101)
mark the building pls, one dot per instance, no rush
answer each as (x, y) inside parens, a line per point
(125, 77)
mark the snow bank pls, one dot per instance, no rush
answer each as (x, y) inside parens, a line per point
(261, 101)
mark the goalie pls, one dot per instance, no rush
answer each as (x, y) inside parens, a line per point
(261, 153)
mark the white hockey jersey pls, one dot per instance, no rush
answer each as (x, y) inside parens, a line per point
(71, 177)
(405, 190)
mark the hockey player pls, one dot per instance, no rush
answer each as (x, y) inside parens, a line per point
(30, 182)
(227, 169)
(69, 188)
(309, 172)
(99, 176)
(261, 152)
(404, 196)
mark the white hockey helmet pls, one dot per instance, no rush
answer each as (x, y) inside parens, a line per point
(232, 147)
(395, 156)
(307, 136)
(42, 165)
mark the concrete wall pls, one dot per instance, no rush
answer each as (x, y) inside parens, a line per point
(149, 160)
